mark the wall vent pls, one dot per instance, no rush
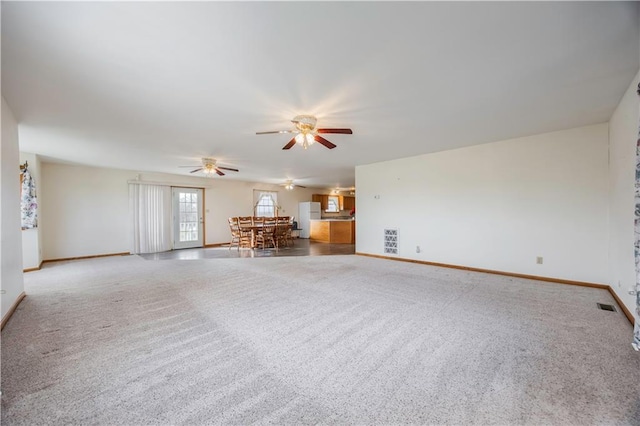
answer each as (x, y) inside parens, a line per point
(606, 307)
(390, 241)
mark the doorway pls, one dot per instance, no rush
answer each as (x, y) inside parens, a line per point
(188, 218)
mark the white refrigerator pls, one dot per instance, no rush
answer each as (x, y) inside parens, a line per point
(307, 211)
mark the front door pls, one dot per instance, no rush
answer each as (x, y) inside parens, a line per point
(187, 218)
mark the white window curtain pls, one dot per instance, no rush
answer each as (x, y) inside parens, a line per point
(150, 212)
(265, 203)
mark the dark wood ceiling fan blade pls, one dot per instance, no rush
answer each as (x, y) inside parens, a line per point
(196, 170)
(291, 143)
(324, 142)
(218, 171)
(300, 186)
(228, 168)
(274, 131)
(343, 131)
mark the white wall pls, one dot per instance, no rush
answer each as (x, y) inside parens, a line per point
(86, 211)
(11, 280)
(31, 238)
(623, 132)
(87, 208)
(496, 206)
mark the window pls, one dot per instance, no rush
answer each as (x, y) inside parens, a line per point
(333, 204)
(266, 203)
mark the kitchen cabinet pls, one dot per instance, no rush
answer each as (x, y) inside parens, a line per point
(322, 199)
(333, 231)
(348, 203)
(345, 202)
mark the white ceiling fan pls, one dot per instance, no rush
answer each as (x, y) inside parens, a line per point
(306, 132)
(289, 185)
(209, 167)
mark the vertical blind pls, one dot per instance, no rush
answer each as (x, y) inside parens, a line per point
(150, 212)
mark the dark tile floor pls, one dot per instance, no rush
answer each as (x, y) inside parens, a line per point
(300, 247)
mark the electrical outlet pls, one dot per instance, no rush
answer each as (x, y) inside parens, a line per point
(539, 260)
(417, 249)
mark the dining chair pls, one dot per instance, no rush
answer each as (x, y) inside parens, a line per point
(266, 233)
(235, 232)
(282, 228)
(289, 233)
(245, 227)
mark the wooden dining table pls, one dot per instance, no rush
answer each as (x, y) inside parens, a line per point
(254, 231)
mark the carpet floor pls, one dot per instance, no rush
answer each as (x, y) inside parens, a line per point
(311, 340)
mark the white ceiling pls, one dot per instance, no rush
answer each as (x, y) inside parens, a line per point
(150, 86)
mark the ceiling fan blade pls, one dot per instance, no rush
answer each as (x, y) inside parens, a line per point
(275, 131)
(343, 131)
(323, 141)
(196, 170)
(291, 143)
(300, 186)
(228, 168)
(218, 171)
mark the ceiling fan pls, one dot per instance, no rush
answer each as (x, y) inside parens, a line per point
(306, 132)
(209, 167)
(289, 185)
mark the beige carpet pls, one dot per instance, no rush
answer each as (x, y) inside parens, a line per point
(307, 340)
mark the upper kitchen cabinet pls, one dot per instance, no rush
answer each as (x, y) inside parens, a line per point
(322, 199)
(334, 203)
(348, 203)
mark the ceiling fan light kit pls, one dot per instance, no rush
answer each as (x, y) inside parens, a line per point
(304, 139)
(208, 167)
(306, 132)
